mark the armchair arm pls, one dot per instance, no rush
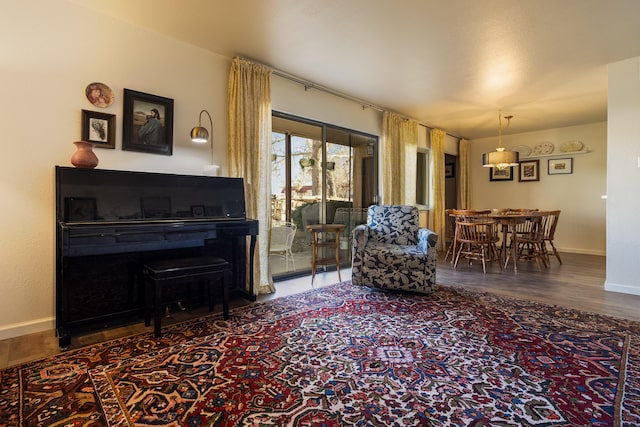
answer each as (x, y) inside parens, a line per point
(360, 238)
(427, 240)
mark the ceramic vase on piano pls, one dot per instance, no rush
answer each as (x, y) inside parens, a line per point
(84, 157)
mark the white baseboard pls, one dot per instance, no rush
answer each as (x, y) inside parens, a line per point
(26, 328)
(620, 288)
(583, 251)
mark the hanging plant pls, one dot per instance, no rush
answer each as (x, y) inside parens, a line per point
(330, 166)
(305, 162)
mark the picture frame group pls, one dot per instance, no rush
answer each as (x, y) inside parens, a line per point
(529, 170)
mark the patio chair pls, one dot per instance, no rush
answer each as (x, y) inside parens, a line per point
(281, 241)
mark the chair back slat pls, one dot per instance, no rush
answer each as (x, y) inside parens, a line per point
(550, 225)
(477, 231)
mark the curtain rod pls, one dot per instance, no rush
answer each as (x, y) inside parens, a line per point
(310, 85)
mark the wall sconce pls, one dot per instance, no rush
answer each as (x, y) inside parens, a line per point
(200, 134)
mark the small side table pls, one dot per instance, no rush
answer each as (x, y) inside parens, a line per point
(316, 243)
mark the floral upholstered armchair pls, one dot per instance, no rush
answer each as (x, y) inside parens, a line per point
(393, 252)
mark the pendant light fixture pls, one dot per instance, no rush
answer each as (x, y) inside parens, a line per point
(500, 159)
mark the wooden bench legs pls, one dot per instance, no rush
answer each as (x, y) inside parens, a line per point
(159, 274)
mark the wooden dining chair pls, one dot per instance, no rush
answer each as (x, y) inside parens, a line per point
(531, 240)
(471, 214)
(476, 239)
(548, 235)
(454, 215)
(450, 219)
(523, 226)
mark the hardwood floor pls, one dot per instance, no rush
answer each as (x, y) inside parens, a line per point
(577, 283)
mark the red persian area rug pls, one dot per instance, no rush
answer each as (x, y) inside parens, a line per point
(347, 356)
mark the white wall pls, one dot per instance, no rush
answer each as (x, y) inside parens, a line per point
(623, 200)
(582, 224)
(292, 98)
(50, 51)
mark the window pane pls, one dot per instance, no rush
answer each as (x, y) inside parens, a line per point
(316, 180)
(278, 177)
(306, 185)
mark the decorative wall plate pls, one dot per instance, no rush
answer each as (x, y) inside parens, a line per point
(544, 148)
(571, 146)
(99, 94)
(523, 150)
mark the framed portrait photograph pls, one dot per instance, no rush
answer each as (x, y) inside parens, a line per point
(99, 94)
(99, 129)
(529, 170)
(449, 170)
(560, 166)
(496, 174)
(147, 123)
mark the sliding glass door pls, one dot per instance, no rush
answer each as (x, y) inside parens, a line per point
(321, 174)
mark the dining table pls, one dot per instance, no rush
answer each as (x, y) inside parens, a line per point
(509, 222)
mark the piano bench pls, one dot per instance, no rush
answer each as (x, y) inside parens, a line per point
(167, 272)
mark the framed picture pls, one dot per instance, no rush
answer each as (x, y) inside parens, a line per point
(197, 210)
(80, 209)
(99, 94)
(99, 129)
(529, 170)
(147, 123)
(449, 170)
(560, 166)
(496, 174)
(155, 207)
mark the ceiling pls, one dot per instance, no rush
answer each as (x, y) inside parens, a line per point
(450, 64)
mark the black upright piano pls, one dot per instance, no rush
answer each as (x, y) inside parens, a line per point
(109, 222)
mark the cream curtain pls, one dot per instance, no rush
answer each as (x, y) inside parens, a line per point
(437, 223)
(399, 148)
(464, 185)
(410, 138)
(250, 153)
